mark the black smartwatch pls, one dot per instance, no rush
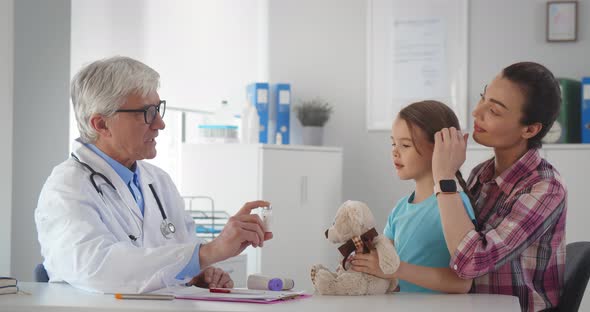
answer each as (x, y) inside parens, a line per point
(445, 186)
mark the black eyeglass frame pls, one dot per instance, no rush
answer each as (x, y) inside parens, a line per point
(146, 109)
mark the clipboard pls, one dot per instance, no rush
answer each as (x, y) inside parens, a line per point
(241, 295)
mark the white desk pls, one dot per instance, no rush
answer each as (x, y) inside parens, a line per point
(62, 297)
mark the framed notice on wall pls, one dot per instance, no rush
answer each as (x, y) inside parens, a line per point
(562, 24)
(416, 50)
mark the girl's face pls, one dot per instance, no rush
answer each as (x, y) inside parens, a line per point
(497, 115)
(406, 160)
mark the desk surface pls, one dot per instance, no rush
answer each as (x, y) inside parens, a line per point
(62, 297)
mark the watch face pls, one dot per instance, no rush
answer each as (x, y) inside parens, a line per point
(448, 186)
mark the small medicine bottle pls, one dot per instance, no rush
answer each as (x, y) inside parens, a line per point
(279, 139)
(266, 216)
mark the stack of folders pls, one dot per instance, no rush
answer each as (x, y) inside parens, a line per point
(8, 285)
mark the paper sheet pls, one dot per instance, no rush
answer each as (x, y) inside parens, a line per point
(244, 295)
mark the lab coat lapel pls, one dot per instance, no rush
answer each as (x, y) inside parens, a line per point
(152, 235)
(100, 165)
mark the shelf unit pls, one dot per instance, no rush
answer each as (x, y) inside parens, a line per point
(208, 222)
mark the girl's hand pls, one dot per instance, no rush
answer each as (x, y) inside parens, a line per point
(450, 148)
(368, 263)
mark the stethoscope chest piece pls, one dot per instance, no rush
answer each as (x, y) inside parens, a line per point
(167, 229)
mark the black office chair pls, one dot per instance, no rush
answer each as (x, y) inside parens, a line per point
(40, 274)
(577, 272)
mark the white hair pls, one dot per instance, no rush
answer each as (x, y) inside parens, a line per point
(104, 85)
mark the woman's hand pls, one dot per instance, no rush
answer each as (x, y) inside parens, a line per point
(450, 148)
(212, 277)
(369, 263)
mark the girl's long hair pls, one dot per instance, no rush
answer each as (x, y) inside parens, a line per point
(430, 117)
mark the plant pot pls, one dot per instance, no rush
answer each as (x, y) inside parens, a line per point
(312, 135)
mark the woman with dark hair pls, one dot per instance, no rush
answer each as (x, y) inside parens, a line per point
(520, 206)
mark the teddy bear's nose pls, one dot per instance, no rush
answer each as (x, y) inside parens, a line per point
(326, 233)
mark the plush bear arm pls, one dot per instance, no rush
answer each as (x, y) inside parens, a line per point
(388, 258)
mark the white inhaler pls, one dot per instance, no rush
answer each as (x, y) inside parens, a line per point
(261, 282)
(266, 216)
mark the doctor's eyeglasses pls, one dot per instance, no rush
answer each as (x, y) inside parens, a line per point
(149, 112)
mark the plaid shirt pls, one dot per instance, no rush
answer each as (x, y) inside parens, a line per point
(520, 249)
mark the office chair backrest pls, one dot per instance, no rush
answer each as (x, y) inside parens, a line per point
(40, 274)
(577, 272)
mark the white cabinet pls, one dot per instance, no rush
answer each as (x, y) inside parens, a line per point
(573, 163)
(304, 185)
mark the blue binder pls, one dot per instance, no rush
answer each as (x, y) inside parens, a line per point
(258, 96)
(281, 99)
(585, 110)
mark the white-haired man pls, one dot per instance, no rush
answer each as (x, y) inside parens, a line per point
(110, 222)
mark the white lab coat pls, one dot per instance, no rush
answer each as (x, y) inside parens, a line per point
(85, 239)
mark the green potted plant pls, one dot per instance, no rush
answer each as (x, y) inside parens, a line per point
(313, 115)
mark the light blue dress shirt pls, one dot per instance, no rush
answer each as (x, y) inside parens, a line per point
(131, 178)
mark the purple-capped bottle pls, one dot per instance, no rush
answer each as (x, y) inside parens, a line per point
(261, 282)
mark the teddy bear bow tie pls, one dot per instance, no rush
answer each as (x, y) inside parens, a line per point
(362, 244)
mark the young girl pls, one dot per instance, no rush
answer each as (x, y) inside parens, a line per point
(414, 225)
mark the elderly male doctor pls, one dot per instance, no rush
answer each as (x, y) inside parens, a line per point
(109, 222)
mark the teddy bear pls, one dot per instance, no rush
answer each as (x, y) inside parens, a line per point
(354, 229)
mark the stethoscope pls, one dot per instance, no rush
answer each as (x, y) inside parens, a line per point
(167, 228)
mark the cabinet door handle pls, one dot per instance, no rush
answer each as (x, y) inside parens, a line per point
(303, 189)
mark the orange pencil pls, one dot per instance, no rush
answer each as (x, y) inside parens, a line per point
(144, 296)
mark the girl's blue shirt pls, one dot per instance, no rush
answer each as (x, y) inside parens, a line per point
(417, 232)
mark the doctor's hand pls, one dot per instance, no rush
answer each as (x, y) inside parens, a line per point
(241, 230)
(450, 148)
(212, 277)
(369, 263)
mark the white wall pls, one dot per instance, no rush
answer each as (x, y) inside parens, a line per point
(41, 75)
(205, 51)
(520, 35)
(6, 77)
(319, 47)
